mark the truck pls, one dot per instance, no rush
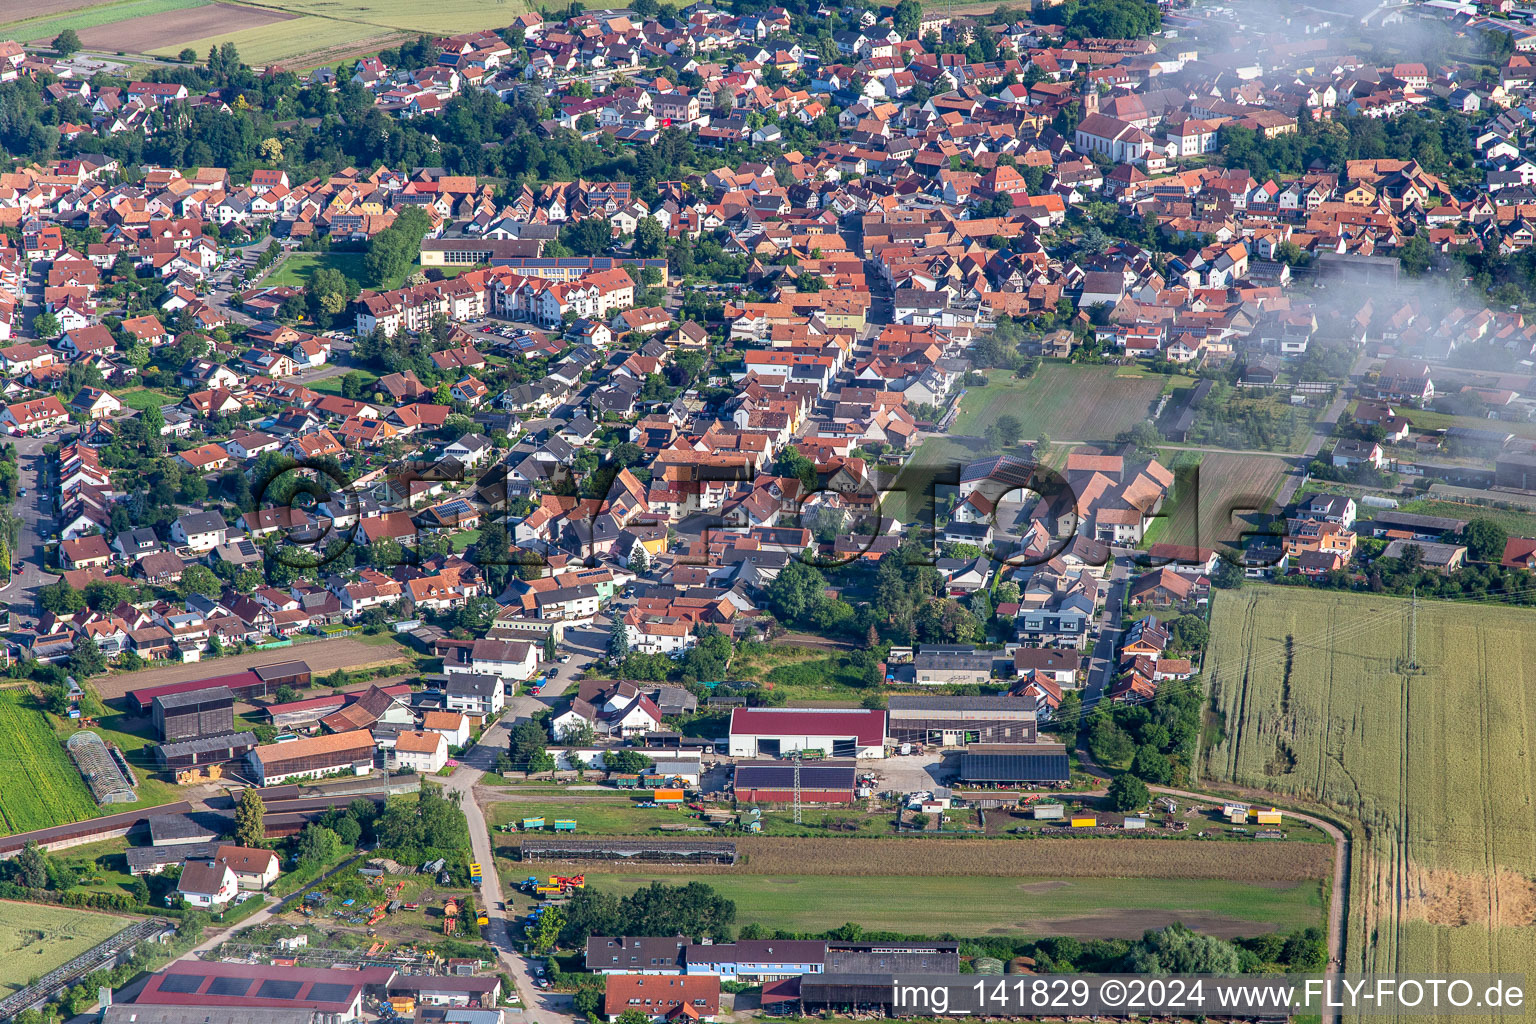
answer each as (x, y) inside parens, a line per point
(475, 876)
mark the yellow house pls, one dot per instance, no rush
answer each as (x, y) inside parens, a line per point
(1362, 194)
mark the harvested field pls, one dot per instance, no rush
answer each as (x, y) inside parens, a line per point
(1320, 702)
(322, 656)
(1067, 857)
(48, 8)
(1235, 494)
(299, 42)
(82, 17)
(36, 938)
(1084, 907)
(177, 28)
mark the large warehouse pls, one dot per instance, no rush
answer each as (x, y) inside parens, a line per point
(312, 757)
(959, 721)
(1015, 763)
(835, 732)
(821, 782)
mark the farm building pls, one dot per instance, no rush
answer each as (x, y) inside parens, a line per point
(773, 732)
(181, 829)
(142, 1013)
(319, 990)
(195, 713)
(435, 990)
(945, 664)
(1516, 471)
(204, 750)
(1013, 763)
(756, 960)
(1394, 524)
(243, 685)
(284, 673)
(630, 851)
(663, 997)
(892, 957)
(312, 757)
(957, 721)
(628, 955)
(821, 782)
(846, 993)
(151, 860)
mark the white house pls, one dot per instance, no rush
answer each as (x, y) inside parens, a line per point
(424, 752)
(207, 883)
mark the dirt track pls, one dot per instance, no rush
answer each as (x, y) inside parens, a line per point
(322, 656)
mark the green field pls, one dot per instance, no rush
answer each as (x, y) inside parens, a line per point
(1231, 495)
(144, 398)
(41, 787)
(1088, 908)
(1516, 524)
(34, 939)
(297, 268)
(1064, 401)
(47, 27)
(1320, 702)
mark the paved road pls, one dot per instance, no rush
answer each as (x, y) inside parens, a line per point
(1321, 431)
(20, 591)
(1101, 665)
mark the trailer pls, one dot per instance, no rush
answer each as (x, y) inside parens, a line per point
(565, 825)
(1269, 817)
(627, 781)
(531, 824)
(475, 876)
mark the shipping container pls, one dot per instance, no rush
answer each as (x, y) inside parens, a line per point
(1084, 822)
(669, 796)
(1045, 811)
(1134, 823)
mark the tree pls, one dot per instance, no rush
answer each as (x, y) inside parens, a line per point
(66, 42)
(626, 761)
(550, 650)
(639, 561)
(796, 591)
(86, 659)
(908, 18)
(618, 641)
(1005, 432)
(250, 813)
(47, 326)
(1152, 765)
(198, 579)
(318, 845)
(1485, 541)
(650, 239)
(1108, 743)
(187, 55)
(32, 866)
(547, 933)
(1228, 575)
(527, 741)
(1177, 950)
(1127, 793)
(1190, 633)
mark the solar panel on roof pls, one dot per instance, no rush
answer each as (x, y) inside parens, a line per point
(229, 986)
(274, 988)
(180, 982)
(329, 992)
